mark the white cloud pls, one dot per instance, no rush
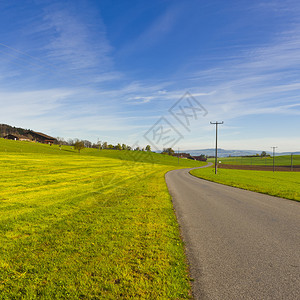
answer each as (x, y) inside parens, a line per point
(140, 99)
(264, 81)
(72, 41)
(31, 103)
(160, 27)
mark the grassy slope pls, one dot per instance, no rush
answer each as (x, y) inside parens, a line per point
(280, 184)
(88, 226)
(284, 160)
(8, 146)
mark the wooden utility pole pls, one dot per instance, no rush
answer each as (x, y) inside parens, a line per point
(274, 158)
(216, 155)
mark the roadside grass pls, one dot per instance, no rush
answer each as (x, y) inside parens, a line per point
(280, 184)
(88, 226)
(284, 160)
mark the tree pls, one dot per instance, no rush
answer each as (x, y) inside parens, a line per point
(98, 145)
(168, 151)
(79, 145)
(118, 147)
(124, 147)
(203, 157)
(104, 145)
(70, 142)
(148, 148)
(60, 141)
(87, 144)
(263, 154)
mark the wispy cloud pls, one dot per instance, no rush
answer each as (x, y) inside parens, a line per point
(139, 99)
(263, 81)
(73, 42)
(155, 32)
(61, 44)
(21, 106)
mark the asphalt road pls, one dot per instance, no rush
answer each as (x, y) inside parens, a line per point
(239, 244)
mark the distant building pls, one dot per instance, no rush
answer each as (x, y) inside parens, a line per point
(200, 158)
(182, 155)
(41, 137)
(17, 137)
(24, 138)
(11, 137)
(189, 156)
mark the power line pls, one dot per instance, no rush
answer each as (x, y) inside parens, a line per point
(216, 155)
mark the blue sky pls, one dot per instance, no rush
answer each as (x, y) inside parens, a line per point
(112, 70)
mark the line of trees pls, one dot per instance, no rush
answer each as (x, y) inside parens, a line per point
(99, 145)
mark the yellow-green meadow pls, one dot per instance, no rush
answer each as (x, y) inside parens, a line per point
(95, 225)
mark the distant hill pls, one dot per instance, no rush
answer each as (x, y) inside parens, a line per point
(21, 134)
(7, 129)
(226, 153)
(289, 153)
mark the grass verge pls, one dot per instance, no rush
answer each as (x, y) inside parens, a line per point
(280, 184)
(283, 160)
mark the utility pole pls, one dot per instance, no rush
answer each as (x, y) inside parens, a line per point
(178, 155)
(274, 158)
(216, 155)
(292, 162)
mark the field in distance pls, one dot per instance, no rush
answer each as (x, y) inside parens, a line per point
(95, 225)
(280, 184)
(284, 160)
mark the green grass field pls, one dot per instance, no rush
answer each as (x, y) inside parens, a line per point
(95, 225)
(280, 184)
(284, 160)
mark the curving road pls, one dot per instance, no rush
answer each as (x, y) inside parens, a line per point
(239, 244)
